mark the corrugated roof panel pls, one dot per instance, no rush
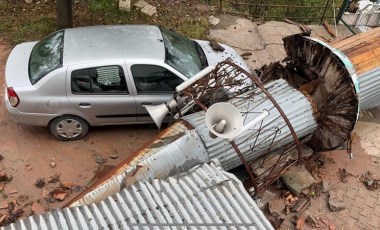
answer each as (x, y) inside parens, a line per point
(369, 89)
(205, 197)
(294, 104)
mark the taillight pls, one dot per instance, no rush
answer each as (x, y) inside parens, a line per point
(12, 97)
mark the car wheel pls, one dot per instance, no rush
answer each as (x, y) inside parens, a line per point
(68, 128)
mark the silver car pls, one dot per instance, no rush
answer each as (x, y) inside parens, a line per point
(101, 75)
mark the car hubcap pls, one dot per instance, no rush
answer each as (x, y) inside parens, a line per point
(69, 128)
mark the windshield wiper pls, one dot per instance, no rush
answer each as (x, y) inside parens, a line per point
(201, 54)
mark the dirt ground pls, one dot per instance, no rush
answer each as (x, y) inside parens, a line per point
(28, 152)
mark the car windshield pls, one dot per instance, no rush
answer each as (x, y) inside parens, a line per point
(46, 56)
(181, 53)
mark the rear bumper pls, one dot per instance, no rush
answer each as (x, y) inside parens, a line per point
(35, 119)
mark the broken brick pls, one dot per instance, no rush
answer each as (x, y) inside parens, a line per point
(59, 194)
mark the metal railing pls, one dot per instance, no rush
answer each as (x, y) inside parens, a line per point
(264, 10)
(359, 20)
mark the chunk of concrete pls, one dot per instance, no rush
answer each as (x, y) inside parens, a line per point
(213, 20)
(140, 4)
(276, 207)
(125, 5)
(149, 10)
(297, 178)
(336, 203)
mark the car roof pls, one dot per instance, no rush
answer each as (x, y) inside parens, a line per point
(99, 43)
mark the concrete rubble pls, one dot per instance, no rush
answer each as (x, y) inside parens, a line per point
(125, 5)
(297, 179)
(146, 8)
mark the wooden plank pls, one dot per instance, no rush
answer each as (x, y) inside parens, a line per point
(329, 29)
(361, 49)
(367, 66)
(357, 39)
(362, 58)
(354, 41)
(377, 51)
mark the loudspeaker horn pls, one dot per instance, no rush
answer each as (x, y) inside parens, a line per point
(159, 112)
(224, 120)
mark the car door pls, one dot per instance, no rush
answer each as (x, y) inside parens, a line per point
(154, 84)
(102, 93)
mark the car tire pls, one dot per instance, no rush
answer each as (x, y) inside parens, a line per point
(68, 128)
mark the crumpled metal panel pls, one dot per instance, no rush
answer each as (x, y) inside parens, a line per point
(369, 89)
(174, 152)
(205, 197)
(252, 143)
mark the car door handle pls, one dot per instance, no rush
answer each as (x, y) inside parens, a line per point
(146, 103)
(85, 105)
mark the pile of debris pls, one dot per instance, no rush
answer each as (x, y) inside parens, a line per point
(56, 193)
(369, 182)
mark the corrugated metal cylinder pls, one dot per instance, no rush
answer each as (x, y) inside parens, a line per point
(253, 143)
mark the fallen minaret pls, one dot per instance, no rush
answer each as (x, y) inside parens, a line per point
(289, 116)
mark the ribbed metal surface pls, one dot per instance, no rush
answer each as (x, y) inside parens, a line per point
(205, 197)
(294, 104)
(369, 89)
(174, 152)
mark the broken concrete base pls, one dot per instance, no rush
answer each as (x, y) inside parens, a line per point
(146, 8)
(125, 5)
(149, 10)
(297, 178)
(336, 203)
(276, 207)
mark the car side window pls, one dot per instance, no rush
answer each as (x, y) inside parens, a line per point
(152, 79)
(99, 80)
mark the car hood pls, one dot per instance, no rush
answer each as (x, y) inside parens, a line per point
(214, 57)
(16, 69)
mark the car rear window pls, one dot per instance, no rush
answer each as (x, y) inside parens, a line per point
(46, 56)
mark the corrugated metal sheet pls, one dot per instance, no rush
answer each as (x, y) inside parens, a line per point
(178, 150)
(205, 197)
(294, 104)
(370, 89)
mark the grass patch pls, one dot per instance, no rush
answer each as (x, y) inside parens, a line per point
(20, 22)
(194, 28)
(34, 30)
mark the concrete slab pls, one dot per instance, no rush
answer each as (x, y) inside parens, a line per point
(297, 178)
